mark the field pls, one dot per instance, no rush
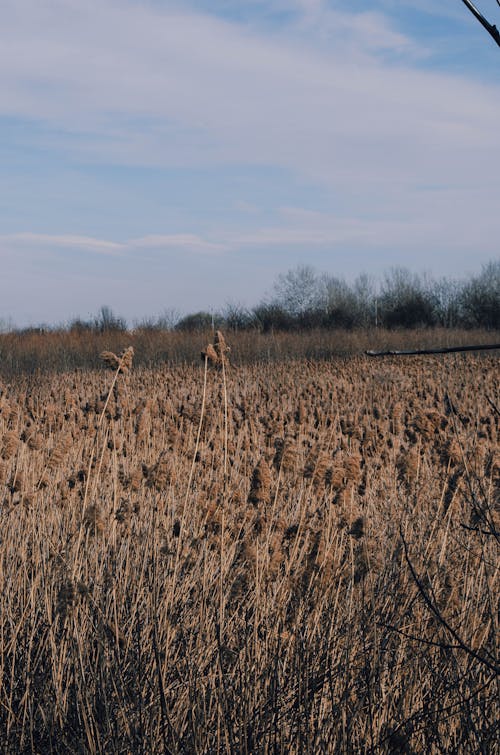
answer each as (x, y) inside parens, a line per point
(282, 556)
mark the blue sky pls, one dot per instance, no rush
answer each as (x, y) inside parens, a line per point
(159, 155)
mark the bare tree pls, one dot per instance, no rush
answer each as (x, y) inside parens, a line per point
(490, 28)
(298, 290)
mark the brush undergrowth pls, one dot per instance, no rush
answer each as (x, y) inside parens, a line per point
(273, 558)
(34, 352)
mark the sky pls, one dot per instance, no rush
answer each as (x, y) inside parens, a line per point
(164, 156)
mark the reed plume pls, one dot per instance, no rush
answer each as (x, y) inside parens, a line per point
(10, 442)
(209, 353)
(216, 353)
(285, 457)
(260, 488)
(93, 519)
(59, 452)
(221, 347)
(122, 363)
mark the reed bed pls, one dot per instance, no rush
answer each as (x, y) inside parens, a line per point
(283, 557)
(33, 352)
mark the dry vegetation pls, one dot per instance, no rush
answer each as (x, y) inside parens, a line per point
(36, 351)
(276, 558)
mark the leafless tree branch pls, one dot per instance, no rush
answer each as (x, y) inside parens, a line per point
(493, 667)
(490, 28)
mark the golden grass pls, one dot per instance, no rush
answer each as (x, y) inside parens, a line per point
(63, 351)
(200, 560)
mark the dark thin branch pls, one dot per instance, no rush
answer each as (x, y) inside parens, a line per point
(479, 531)
(420, 714)
(493, 405)
(480, 511)
(421, 640)
(444, 350)
(433, 609)
(489, 27)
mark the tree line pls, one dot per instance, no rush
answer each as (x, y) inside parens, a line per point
(303, 298)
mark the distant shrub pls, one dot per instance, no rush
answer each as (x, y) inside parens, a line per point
(199, 321)
(107, 321)
(480, 299)
(274, 317)
(81, 326)
(237, 317)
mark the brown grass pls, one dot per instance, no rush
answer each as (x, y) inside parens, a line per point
(200, 561)
(61, 351)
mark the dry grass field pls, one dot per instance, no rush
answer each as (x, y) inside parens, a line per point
(273, 557)
(62, 350)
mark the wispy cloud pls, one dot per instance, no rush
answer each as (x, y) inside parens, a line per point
(369, 148)
(178, 241)
(138, 84)
(87, 243)
(303, 228)
(355, 32)
(181, 241)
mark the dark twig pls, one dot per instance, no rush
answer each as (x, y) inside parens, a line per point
(490, 28)
(490, 533)
(422, 640)
(420, 714)
(439, 616)
(493, 405)
(481, 511)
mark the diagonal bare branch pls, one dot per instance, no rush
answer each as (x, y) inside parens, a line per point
(493, 667)
(490, 28)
